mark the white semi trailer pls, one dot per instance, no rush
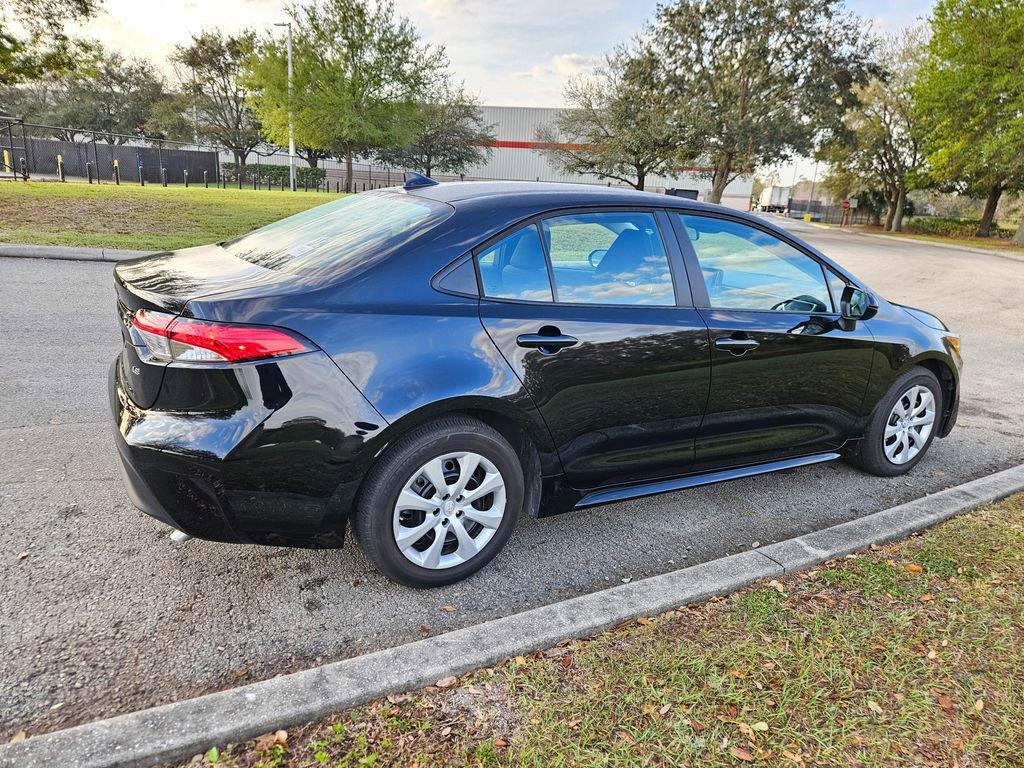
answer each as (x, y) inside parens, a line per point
(774, 199)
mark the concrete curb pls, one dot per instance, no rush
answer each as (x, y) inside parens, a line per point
(67, 253)
(176, 731)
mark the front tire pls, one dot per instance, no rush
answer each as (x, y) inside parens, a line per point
(902, 425)
(441, 503)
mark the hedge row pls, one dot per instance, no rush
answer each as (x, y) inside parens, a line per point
(277, 175)
(947, 227)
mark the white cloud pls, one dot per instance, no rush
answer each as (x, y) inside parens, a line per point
(507, 53)
(563, 66)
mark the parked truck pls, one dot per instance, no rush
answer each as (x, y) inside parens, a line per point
(774, 199)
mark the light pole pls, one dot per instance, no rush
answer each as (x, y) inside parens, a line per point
(291, 111)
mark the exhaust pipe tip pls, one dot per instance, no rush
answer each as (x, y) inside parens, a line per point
(179, 537)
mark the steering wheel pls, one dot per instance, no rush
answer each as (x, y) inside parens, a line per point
(801, 303)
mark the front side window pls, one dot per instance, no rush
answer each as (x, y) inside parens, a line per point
(608, 258)
(746, 268)
(346, 230)
(515, 267)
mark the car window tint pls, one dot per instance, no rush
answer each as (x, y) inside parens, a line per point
(836, 284)
(354, 228)
(746, 268)
(515, 268)
(608, 258)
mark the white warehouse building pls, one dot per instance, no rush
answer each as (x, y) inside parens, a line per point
(517, 156)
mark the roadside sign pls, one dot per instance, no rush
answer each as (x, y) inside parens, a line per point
(853, 202)
(846, 205)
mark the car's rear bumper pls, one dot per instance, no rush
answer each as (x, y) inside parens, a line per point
(277, 459)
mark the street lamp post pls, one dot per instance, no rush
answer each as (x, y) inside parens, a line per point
(291, 111)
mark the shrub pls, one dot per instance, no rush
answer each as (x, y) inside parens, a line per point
(948, 227)
(314, 177)
(276, 174)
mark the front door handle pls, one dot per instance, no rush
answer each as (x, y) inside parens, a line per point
(546, 342)
(735, 346)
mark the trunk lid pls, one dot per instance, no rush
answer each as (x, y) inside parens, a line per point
(167, 282)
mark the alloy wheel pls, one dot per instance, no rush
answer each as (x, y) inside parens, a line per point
(448, 510)
(909, 424)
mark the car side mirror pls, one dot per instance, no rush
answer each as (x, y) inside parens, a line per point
(856, 304)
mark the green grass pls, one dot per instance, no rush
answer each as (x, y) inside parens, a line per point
(907, 655)
(985, 243)
(139, 218)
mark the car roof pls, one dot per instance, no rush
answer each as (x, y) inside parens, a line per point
(457, 193)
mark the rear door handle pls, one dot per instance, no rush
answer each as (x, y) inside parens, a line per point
(735, 346)
(544, 342)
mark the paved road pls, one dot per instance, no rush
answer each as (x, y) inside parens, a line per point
(104, 614)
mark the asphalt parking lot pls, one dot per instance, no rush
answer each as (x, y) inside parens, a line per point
(102, 614)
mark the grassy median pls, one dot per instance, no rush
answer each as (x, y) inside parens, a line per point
(907, 655)
(139, 218)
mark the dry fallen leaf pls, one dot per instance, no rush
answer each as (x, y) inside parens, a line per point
(645, 621)
(741, 754)
(697, 726)
(792, 756)
(270, 740)
(912, 568)
(446, 730)
(520, 661)
(500, 743)
(447, 682)
(760, 726)
(927, 597)
(18, 737)
(746, 730)
(874, 707)
(664, 710)
(449, 608)
(979, 705)
(945, 704)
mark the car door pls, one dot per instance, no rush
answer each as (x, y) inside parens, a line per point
(586, 308)
(786, 378)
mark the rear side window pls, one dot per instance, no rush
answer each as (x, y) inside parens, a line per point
(515, 268)
(346, 230)
(609, 258)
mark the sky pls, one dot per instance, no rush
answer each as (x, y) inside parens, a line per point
(509, 52)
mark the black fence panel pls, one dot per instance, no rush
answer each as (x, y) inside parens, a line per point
(96, 159)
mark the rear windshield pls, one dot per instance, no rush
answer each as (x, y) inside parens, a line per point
(346, 230)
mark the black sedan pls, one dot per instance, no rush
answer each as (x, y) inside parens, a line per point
(425, 364)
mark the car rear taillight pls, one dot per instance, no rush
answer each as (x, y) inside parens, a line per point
(169, 338)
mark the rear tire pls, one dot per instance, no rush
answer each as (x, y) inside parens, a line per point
(461, 489)
(902, 426)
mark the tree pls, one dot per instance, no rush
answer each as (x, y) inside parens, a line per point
(359, 71)
(114, 97)
(33, 42)
(210, 69)
(759, 79)
(879, 139)
(971, 98)
(616, 125)
(450, 135)
(110, 96)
